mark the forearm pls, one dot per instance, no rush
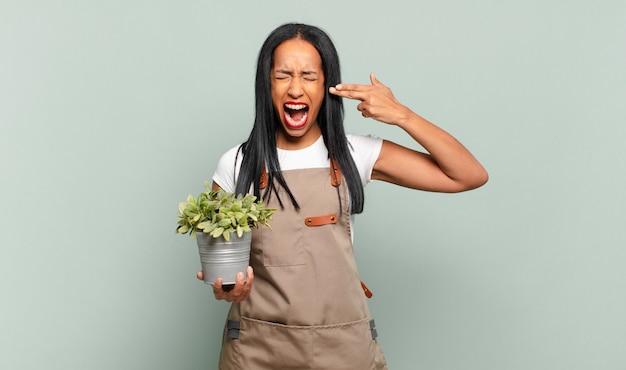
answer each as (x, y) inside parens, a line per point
(454, 160)
(447, 167)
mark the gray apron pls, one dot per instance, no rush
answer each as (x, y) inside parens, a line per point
(306, 309)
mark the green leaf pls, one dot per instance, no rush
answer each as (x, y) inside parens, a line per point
(221, 213)
(217, 232)
(204, 225)
(224, 222)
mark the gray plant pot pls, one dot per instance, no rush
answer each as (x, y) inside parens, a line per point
(223, 259)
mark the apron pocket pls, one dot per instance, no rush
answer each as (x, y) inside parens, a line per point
(266, 345)
(286, 251)
(347, 346)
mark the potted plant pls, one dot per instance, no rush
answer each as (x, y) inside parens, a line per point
(222, 223)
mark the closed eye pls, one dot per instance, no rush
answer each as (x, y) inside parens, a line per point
(309, 75)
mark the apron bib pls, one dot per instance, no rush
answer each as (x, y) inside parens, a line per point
(306, 309)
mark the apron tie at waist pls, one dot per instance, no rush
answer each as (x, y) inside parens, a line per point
(373, 329)
(233, 327)
(368, 293)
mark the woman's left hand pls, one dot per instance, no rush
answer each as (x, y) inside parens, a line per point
(377, 101)
(241, 290)
(447, 166)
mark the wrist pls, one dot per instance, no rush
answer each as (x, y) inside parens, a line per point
(408, 119)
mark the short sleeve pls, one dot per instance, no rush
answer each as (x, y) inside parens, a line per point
(365, 151)
(227, 169)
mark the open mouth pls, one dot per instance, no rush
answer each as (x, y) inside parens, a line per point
(296, 114)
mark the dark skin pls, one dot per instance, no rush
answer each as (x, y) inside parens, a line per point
(237, 293)
(446, 166)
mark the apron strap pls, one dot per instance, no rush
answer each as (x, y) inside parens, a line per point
(263, 179)
(335, 173)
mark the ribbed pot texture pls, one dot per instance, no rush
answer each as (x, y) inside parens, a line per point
(223, 259)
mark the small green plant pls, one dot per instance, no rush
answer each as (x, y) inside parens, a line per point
(221, 213)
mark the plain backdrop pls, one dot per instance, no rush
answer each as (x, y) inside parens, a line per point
(112, 112)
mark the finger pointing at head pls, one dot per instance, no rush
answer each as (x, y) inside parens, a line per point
(350, 91)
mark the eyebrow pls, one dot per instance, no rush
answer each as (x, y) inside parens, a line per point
(291, 73)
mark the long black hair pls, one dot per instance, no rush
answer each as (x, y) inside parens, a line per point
(260, 148)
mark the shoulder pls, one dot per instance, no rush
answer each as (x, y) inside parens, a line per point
(365, 151)
(360, 143)
(227, 168)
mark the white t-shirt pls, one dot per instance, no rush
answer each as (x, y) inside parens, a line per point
(364, 150)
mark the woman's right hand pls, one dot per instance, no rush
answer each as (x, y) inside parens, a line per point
(239, 293)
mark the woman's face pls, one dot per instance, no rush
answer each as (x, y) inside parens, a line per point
(297, 93)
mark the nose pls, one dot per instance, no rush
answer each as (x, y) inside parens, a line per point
(295, 88)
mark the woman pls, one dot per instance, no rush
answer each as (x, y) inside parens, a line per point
(302, 304)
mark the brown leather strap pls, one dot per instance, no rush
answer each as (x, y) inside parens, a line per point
(368, 293)
(263, 179)
(335, 173)
(321, 220)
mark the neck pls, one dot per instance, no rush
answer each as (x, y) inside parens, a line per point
(287, 141)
